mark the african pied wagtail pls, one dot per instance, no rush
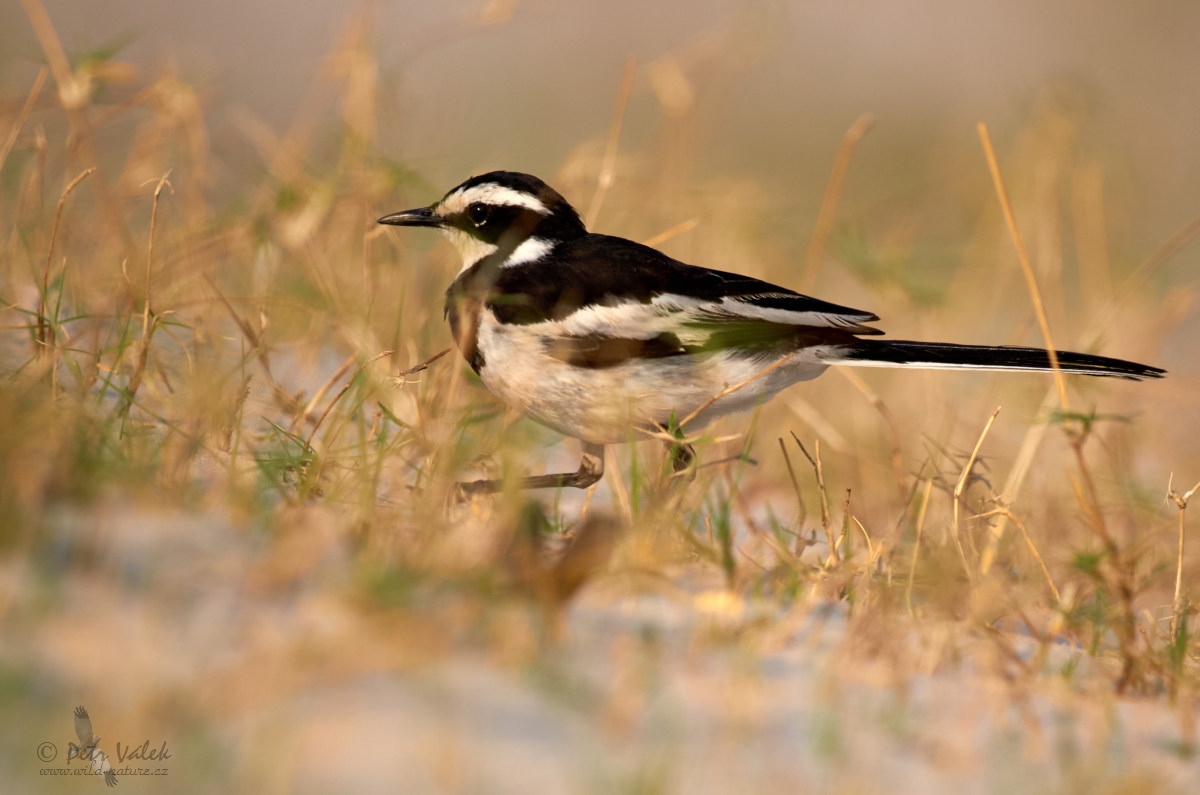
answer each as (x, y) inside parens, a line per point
(595, 335)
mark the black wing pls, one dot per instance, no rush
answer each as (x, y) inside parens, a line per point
(608, 271)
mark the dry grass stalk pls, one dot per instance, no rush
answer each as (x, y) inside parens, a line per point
(912, 566)
(43, 322)
(1117, 573)
(338, 396)
(72, 93)
(1017, 473)
(802, 510)
(729, 390)
(844, 536)
(1008, 514)
(820, 472)
(678, 229)
(1136, 281)
(401, 378)
(1089, 498)
(307, 412)
(26, 109)
(148, 324)
(1035, 435)
(1035, 294)
(893, 433)
(1091, 232)
(616, 482)
(1179, 605)
(608, 166)
(1100, 323)
(829, 202)
(56, 57)
(961, 486)
(282, 398)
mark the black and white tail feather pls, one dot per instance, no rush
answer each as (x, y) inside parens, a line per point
(597, 336)
(951, 356)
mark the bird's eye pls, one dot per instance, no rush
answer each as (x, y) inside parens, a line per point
(478, 213)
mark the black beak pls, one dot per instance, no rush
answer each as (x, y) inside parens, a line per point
(422, 216)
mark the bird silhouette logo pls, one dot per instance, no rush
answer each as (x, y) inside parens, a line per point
(89, 748)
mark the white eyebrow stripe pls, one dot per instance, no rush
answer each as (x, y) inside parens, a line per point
(530, 250)
(490, 193)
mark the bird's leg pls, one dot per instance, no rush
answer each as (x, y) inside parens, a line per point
(682, 453)
(591, 469)
(682, 456)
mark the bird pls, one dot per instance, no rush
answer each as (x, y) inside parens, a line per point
(598, 337)
(88, 748)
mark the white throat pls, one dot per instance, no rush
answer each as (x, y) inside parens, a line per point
(470, 248)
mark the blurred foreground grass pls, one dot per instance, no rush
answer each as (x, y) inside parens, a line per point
(225, 518)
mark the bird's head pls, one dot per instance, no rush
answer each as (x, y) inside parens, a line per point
(516, 216)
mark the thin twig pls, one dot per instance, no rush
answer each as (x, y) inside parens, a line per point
(1035, 294)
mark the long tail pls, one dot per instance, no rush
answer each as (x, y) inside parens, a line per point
(948, 356)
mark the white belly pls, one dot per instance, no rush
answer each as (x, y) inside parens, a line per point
(606, 405)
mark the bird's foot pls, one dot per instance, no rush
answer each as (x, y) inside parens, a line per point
(591, 469)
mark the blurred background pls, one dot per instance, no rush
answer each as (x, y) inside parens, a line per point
(767, 88)
(225, 524)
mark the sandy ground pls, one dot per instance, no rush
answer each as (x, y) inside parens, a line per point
(265, 670)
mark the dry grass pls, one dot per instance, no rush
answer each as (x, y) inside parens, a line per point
(229, 444)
